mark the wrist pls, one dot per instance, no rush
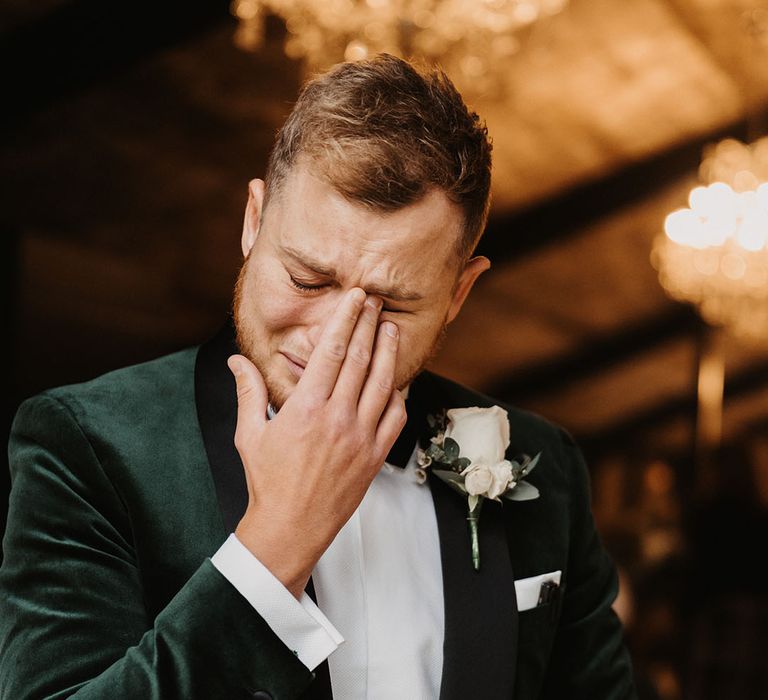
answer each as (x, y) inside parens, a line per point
(288, 561)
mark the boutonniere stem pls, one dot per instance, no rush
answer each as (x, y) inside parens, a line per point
(473, 519)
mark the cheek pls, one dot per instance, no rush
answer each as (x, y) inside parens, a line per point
(271, 306)
(417, 336)
(281, 311)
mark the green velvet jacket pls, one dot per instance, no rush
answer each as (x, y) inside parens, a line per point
(123, 487)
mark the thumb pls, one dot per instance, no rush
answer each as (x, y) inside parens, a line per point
(251, 395)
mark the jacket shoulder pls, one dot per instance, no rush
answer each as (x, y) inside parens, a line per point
(136, 383)
(134, 415)
(134, 395)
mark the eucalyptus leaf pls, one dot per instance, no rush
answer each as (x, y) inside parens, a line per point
(451, 449)
(436, 452)
(461, 463)
(453, 480)
(450, 476)
(531, 465)
(522, 492)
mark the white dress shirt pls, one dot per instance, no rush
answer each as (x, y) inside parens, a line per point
(380, 589)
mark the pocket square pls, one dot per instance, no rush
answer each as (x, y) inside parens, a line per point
(534, 591)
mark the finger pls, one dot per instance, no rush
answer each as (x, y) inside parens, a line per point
(381, 378)
(391, 424)
(358, 359)
(251, 398)
(326, 359)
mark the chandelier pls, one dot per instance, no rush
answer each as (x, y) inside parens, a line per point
(714, 253)
(470, 39)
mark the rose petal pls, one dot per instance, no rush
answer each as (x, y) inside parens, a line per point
(482, 433)
(478, 479)
(502, 475)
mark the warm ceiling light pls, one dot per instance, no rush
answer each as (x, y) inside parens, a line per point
(714, 253)
(471, 39)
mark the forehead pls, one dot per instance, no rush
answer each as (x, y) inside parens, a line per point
(309, 215)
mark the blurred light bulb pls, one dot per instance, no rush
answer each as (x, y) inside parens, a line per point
(682, 226)
(752, 232)
(356, 51)
(762, 195)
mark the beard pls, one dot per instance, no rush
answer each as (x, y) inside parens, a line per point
(249, 344)
(252, 348)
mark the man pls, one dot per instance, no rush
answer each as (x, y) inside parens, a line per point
(345, 576)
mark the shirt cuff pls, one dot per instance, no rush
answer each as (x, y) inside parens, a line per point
(299, 624)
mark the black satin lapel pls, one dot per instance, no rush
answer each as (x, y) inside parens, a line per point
(480, 642)
(216, 399)
(403, 448)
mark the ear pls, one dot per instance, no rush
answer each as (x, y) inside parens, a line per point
(472, 270)
(253, 213)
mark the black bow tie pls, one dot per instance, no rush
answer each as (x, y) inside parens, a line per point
(412, 431)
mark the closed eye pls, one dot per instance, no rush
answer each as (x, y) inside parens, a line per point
(306, 287)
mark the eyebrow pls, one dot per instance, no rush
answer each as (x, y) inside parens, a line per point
(396, 293)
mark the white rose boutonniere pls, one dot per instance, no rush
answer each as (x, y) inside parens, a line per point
(468, 453)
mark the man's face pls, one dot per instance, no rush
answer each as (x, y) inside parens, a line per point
(310, 245)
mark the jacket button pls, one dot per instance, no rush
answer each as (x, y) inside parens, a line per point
(261, 695)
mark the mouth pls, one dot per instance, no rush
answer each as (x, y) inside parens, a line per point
(295, 364)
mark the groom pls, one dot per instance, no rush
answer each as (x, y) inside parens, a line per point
(248, 518)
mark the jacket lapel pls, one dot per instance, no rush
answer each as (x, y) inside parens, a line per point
(480, 643)
(481, 623)
(216, 399)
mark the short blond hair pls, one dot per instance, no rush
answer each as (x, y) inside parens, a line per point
(383, 133)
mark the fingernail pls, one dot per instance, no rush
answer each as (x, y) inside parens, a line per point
(374, 303)
(357, 295)
(235, 366)
(390, 329)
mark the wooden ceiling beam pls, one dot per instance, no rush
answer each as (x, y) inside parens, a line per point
(628, 429)
(509, 237)
(83, 42)
(598, 355)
